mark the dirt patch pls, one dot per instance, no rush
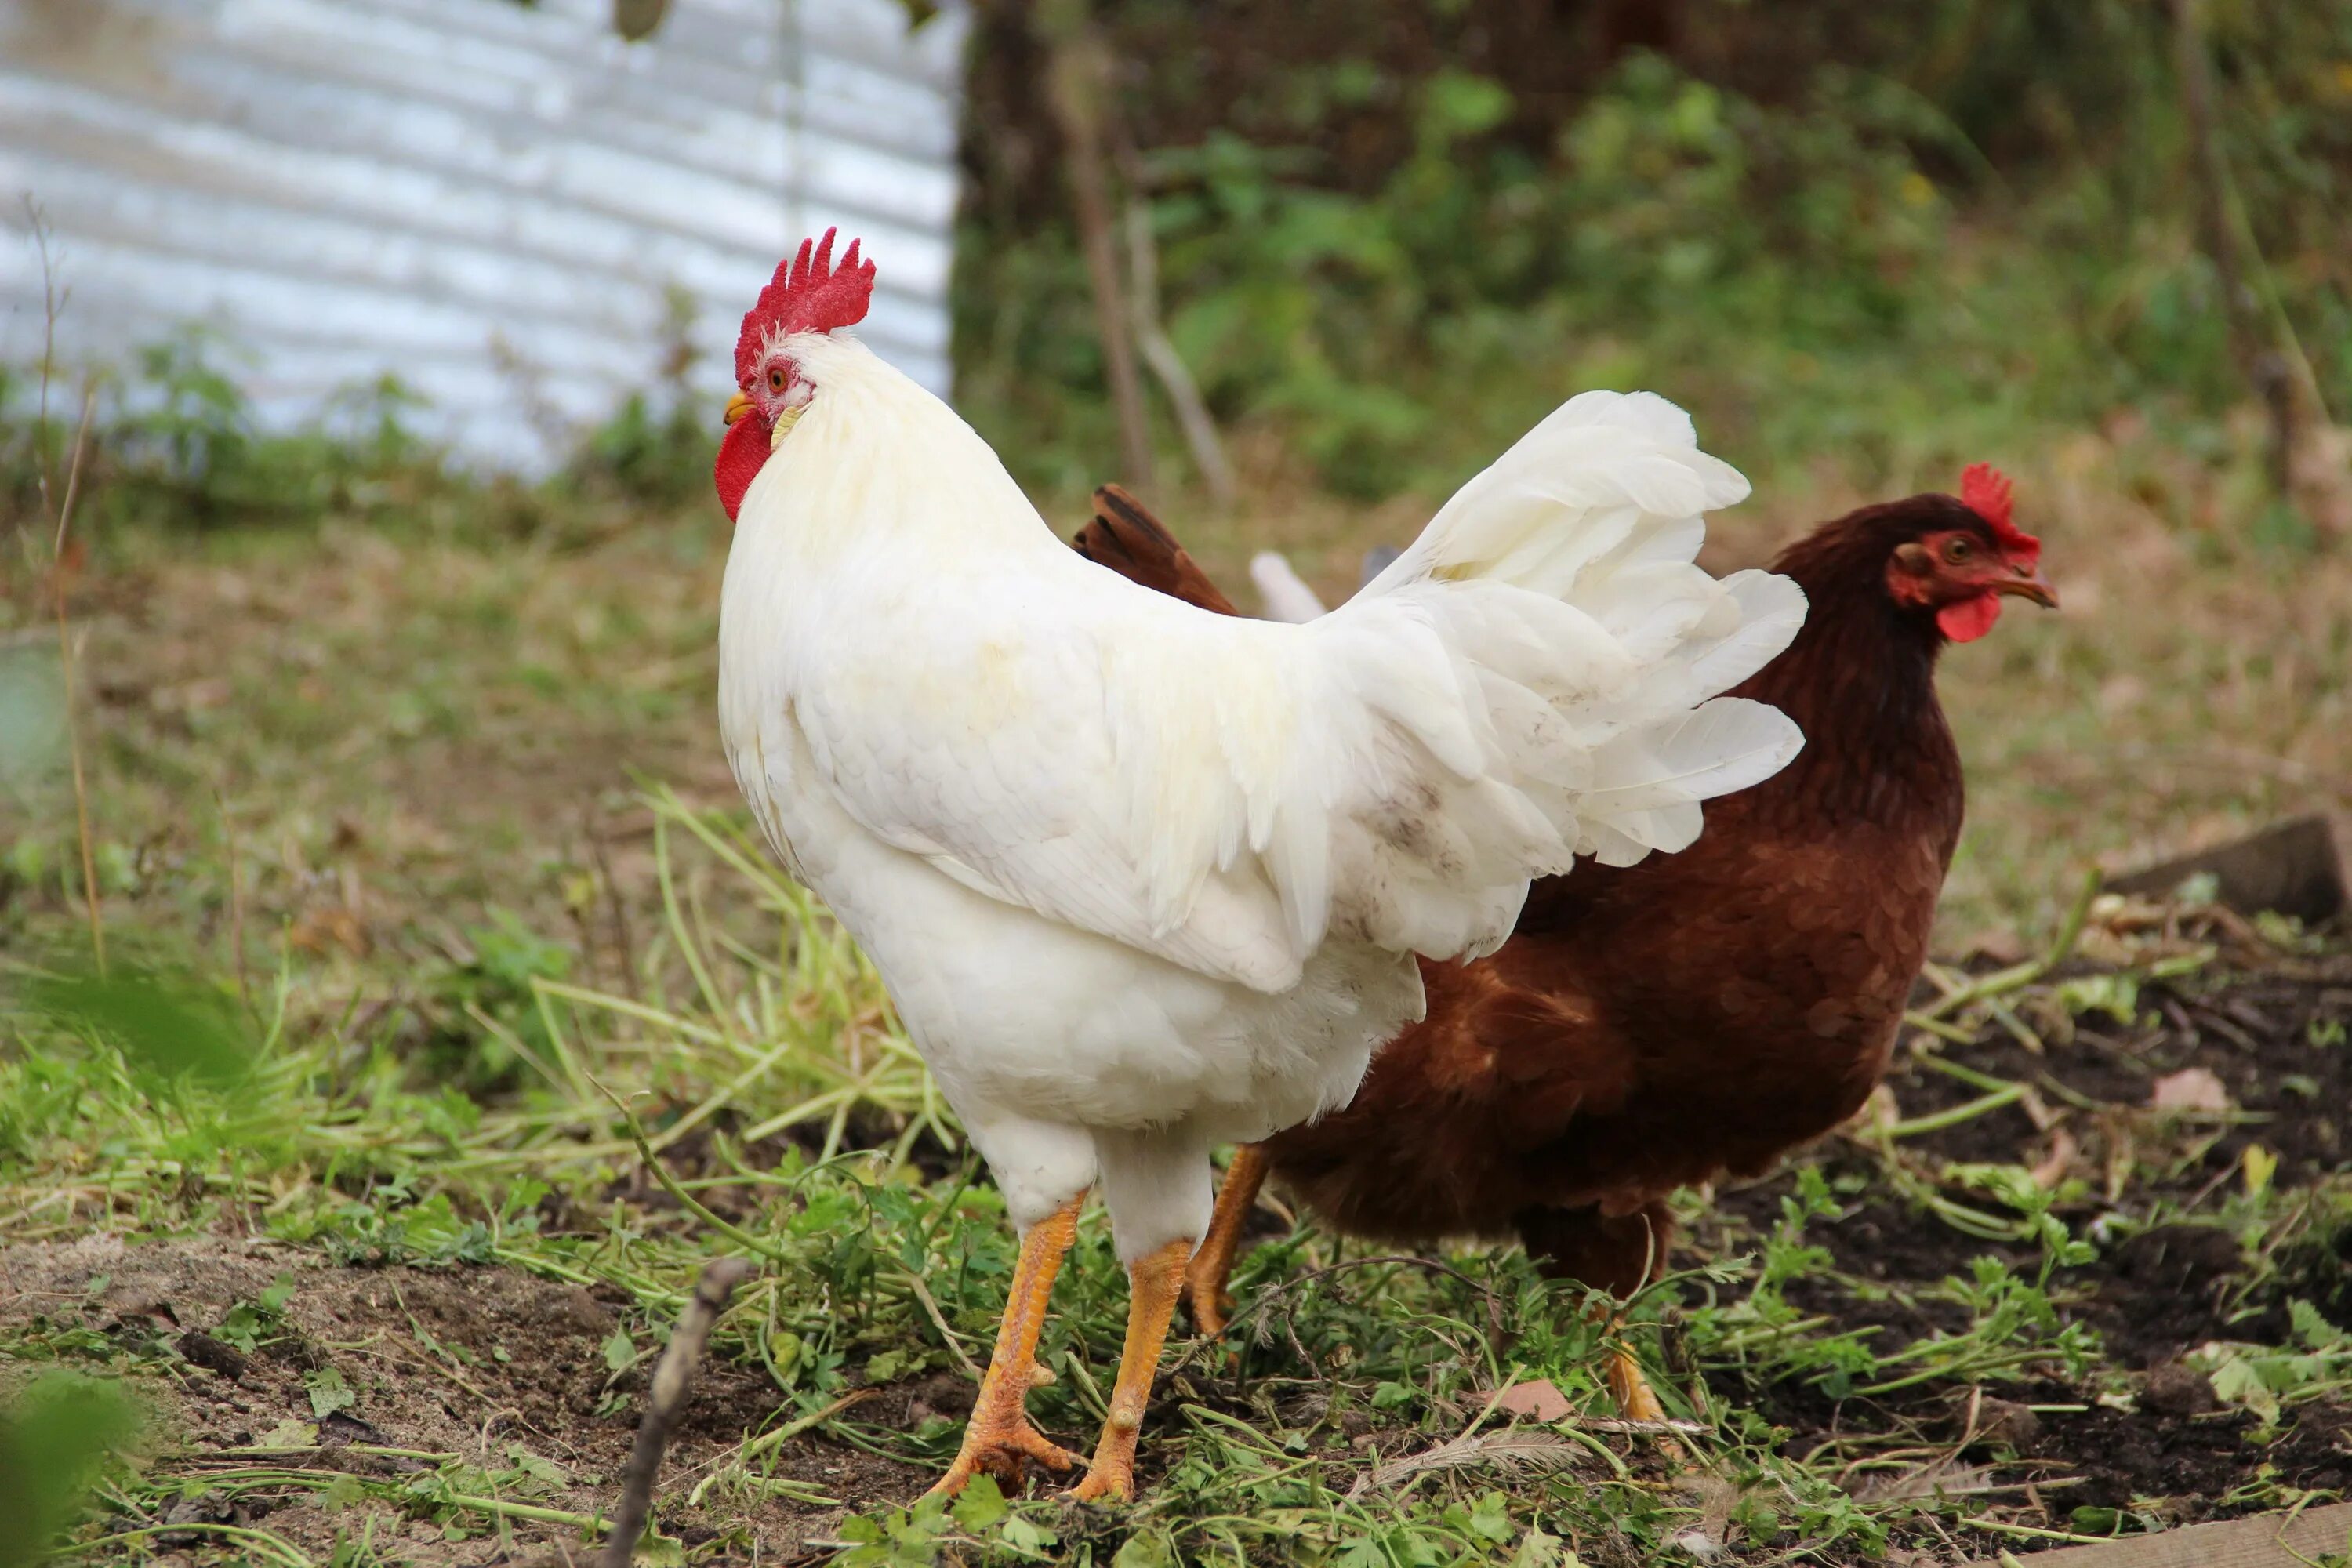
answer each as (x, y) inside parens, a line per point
(2193, 1462)
(489, 1365)
(2169, 1276)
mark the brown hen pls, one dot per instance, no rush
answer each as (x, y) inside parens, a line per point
(1695, 1015)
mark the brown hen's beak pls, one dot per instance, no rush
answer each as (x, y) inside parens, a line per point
(737, 407)
(2027, 583)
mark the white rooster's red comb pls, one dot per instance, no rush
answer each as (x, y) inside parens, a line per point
(1987, 491)
(809, 294)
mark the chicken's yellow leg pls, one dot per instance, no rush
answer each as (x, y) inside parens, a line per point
(1153, 1283)
(1204, 1281)
(1635, 1399)
(999, 1436)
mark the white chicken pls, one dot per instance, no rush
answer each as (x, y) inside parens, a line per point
(1141, 878)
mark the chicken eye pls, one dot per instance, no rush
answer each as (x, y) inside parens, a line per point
(1956, 551)
(776, 379)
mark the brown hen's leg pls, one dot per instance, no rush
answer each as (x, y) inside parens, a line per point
(1204, 1281)
(1618, 1254)
(1636, 1400)
(999, 1438)
(1153, 1283)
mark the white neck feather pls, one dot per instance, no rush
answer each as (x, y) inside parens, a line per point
(877, 461)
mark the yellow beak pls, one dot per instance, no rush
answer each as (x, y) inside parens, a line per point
(737, 407)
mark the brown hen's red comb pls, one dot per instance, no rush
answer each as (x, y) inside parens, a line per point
(810, 294)
(1986, 492)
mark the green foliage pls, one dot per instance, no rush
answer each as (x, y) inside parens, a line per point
(174, 441)
(2013, 1323)
(654, 450)
(32, 732)
(658, 447)
(487, 1022)
(248, 1325)
(169, 1028)
(54, 1433)
(1836, 265)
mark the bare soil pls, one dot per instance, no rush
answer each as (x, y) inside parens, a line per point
(474, 1361)
(2154, 1295)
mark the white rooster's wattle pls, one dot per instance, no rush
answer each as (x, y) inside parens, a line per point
(1142, 879)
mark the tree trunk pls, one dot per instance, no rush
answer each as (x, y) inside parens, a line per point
(1077, 75)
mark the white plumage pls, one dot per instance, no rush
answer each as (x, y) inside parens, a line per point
(1283, 592)
(1142, 879)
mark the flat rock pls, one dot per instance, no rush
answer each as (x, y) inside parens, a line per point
(2292, 867)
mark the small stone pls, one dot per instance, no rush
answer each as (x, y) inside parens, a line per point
(214, 1355)
(2176, 1389)
(2003, 1421)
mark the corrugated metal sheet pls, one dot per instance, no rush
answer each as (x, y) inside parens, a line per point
(494, 202)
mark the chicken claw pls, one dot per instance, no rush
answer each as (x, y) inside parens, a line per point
(1153, 1284)
(999, 1436)
(1205, 1294)
(997, 1447)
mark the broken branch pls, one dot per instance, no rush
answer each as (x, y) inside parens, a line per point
(664, 1397)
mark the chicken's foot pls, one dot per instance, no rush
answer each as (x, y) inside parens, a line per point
(1618, 1255)
(1153, 1284)
(999, 1439)
(1204, 1281)
(1636, 1401)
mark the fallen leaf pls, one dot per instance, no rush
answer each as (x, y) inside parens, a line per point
(291, 1434)
(2235, 1380)
(2191, 1088)
(1536, 1400)
(329, 1394)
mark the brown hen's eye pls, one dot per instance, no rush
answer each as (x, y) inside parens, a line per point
(1957, 551)
(775, 378)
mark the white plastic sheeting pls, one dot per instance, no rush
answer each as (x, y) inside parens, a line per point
(495, 203)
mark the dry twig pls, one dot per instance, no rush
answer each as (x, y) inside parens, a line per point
(66, 677)
(59, 516)
(664, 1397)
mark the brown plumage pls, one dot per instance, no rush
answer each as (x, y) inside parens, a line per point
(1130, 541)
(1697, 1014)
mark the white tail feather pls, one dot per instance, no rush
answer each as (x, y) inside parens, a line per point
(1284, 594)
(1546, 652)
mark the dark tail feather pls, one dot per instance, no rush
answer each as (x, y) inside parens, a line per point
(1130, 541)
